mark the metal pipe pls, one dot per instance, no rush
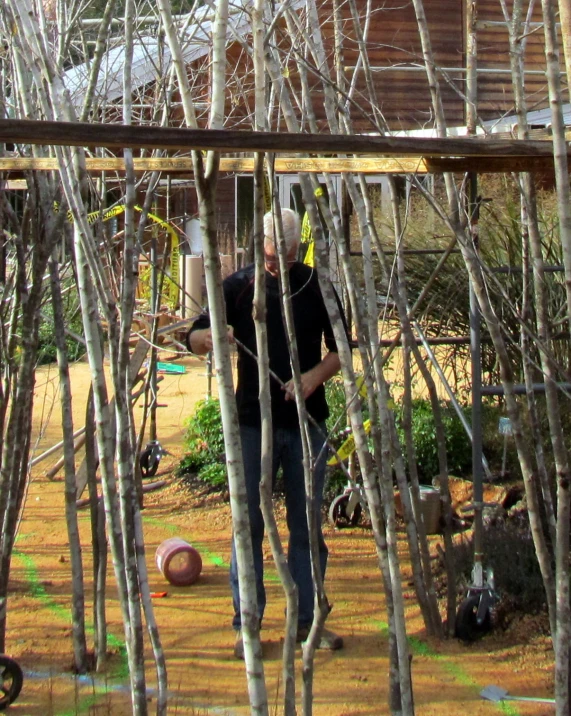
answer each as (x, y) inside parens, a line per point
(477, 477)
(520, 389)
(413, 252)
(462, 70)
(54, 448)
(448, 388)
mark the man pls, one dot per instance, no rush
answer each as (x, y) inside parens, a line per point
(311, 326)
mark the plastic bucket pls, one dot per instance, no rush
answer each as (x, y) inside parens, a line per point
(431, 508)
(179, 562)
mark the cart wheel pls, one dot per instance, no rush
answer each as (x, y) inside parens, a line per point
(11, 680)
(338, 512)
(149, 462)
(467, 627)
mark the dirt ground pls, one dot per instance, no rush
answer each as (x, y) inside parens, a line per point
(204, 677)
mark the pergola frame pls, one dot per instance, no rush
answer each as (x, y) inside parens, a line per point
(378, 154)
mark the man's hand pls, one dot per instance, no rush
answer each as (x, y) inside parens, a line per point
(309, 383)
(312, 379)
(201, 340)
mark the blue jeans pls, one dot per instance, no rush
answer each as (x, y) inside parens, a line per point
(287, 453)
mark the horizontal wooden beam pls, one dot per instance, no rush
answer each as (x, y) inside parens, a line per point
(489, 165)
(171, 165)
(115, 136)
(290, 165)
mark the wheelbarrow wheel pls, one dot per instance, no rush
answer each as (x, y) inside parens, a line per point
(467, 627)
(338, 512)
(11, 680)
(149, 462)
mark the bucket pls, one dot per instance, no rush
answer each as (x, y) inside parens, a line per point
(179, 562)
(431, 508)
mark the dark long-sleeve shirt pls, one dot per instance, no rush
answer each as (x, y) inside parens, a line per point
(312, 326)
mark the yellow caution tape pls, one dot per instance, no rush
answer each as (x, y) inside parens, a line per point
(307, 238)
(348, 447)
(361, 387)
(173, 289)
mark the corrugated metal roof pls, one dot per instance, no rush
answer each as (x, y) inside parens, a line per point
(149, 55)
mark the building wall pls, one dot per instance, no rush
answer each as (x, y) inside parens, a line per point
(495, 94)
(394, 52)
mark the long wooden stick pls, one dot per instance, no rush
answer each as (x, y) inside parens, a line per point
(81, 134)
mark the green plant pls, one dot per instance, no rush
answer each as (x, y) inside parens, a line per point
(204, 442)
(458, 447)
(47, 352)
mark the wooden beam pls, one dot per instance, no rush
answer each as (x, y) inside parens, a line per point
(23, 131)
(489, 165)
(365, 165)
(292, 165)
(14, 185)
(397, 165)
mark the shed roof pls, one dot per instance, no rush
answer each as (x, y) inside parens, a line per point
(151, 55)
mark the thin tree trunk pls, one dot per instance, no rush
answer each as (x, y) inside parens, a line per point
(78, 592)
(98, 537)
(562, 560)
(259, 307)
(206, 190)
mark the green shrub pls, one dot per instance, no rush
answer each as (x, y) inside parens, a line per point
(204, 442)
(214, 474)
(458, 445)
(47, 351)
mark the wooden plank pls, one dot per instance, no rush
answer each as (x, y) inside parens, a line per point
(288, 165)
(230, 141)
(365, 165)
(490, 165)
(396, 165)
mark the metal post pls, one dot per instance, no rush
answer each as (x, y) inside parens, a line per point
(475, 353)
(209, 375)
(455, 404)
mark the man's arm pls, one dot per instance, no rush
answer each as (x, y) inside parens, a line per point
(316, 376)
(200, 340)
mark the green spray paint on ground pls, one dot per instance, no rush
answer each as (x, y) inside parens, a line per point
(417, 646)
(175, 530)
(38, 591)
(421, 648)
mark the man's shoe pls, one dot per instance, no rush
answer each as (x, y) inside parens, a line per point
(329, 639)
(239, 645)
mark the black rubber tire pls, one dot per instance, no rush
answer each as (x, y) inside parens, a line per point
(338, 515)
(467, 627)
(149, 462)
(11, 680)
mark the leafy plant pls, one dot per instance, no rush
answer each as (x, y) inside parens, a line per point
(458, 446)
(204, 442)
(47, 351)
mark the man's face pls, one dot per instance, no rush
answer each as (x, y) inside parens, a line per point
(272, 261)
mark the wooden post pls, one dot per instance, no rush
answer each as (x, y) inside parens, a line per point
(565, 20)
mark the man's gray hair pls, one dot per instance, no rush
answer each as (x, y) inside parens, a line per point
(291, 226)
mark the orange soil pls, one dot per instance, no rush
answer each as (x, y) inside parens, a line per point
(194, 621)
